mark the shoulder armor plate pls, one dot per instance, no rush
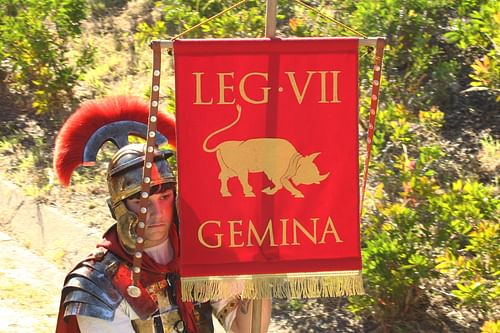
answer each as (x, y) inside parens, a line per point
(88, 290)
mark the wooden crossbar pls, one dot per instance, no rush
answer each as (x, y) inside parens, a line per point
(369, 41)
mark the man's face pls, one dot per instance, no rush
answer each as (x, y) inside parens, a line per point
(160, 213)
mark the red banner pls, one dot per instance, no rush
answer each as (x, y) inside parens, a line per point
(267, 139)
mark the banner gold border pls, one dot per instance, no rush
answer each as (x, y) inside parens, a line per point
(258, 286)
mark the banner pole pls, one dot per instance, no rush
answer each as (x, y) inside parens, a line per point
(271, 9)
(256, 315)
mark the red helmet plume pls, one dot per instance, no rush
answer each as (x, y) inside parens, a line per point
(90, 117)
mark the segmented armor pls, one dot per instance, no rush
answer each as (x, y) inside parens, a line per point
(93, 289)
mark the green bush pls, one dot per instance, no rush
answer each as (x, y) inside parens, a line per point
(178, 16)
(419, 229)
(477, 34)
(471, 258)
(35, 41)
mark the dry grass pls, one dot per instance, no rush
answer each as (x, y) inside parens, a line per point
(29, 292)
(489, 155)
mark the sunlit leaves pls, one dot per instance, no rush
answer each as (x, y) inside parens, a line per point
(478, 34)
(35, 36)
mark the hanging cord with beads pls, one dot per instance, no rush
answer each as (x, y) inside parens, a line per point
(377, 74)
(133, 290)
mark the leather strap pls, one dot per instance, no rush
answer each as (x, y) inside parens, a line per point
(148, 162)
(143, 305)
(377, 71)
(158, 324)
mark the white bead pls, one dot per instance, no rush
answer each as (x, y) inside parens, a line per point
(133, 291)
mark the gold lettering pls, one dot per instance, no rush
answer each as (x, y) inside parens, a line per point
(223, 88)
(260, 240)
(232, 233)
(299, 94)
(283, 231)
(237, 233)
(323, 86)
(312, 237)
(335, 98)
(198, 98)
(218, 236)
(265, 90)
(330, 229)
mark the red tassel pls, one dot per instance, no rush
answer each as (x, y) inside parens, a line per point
(91, 116)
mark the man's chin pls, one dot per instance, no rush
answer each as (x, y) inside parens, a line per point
(156, 240)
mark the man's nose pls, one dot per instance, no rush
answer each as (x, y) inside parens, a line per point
(153, 207)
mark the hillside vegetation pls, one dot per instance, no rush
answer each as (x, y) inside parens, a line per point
(430, 230)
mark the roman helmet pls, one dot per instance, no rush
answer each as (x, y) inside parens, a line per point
(124, 180)
(114, 119)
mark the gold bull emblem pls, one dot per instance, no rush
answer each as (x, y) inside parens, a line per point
(277, 158)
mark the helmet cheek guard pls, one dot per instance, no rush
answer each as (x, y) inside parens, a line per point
(126, 223)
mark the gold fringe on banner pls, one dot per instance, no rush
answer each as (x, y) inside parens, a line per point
(291, 285)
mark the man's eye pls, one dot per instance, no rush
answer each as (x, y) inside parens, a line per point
(165, 196)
